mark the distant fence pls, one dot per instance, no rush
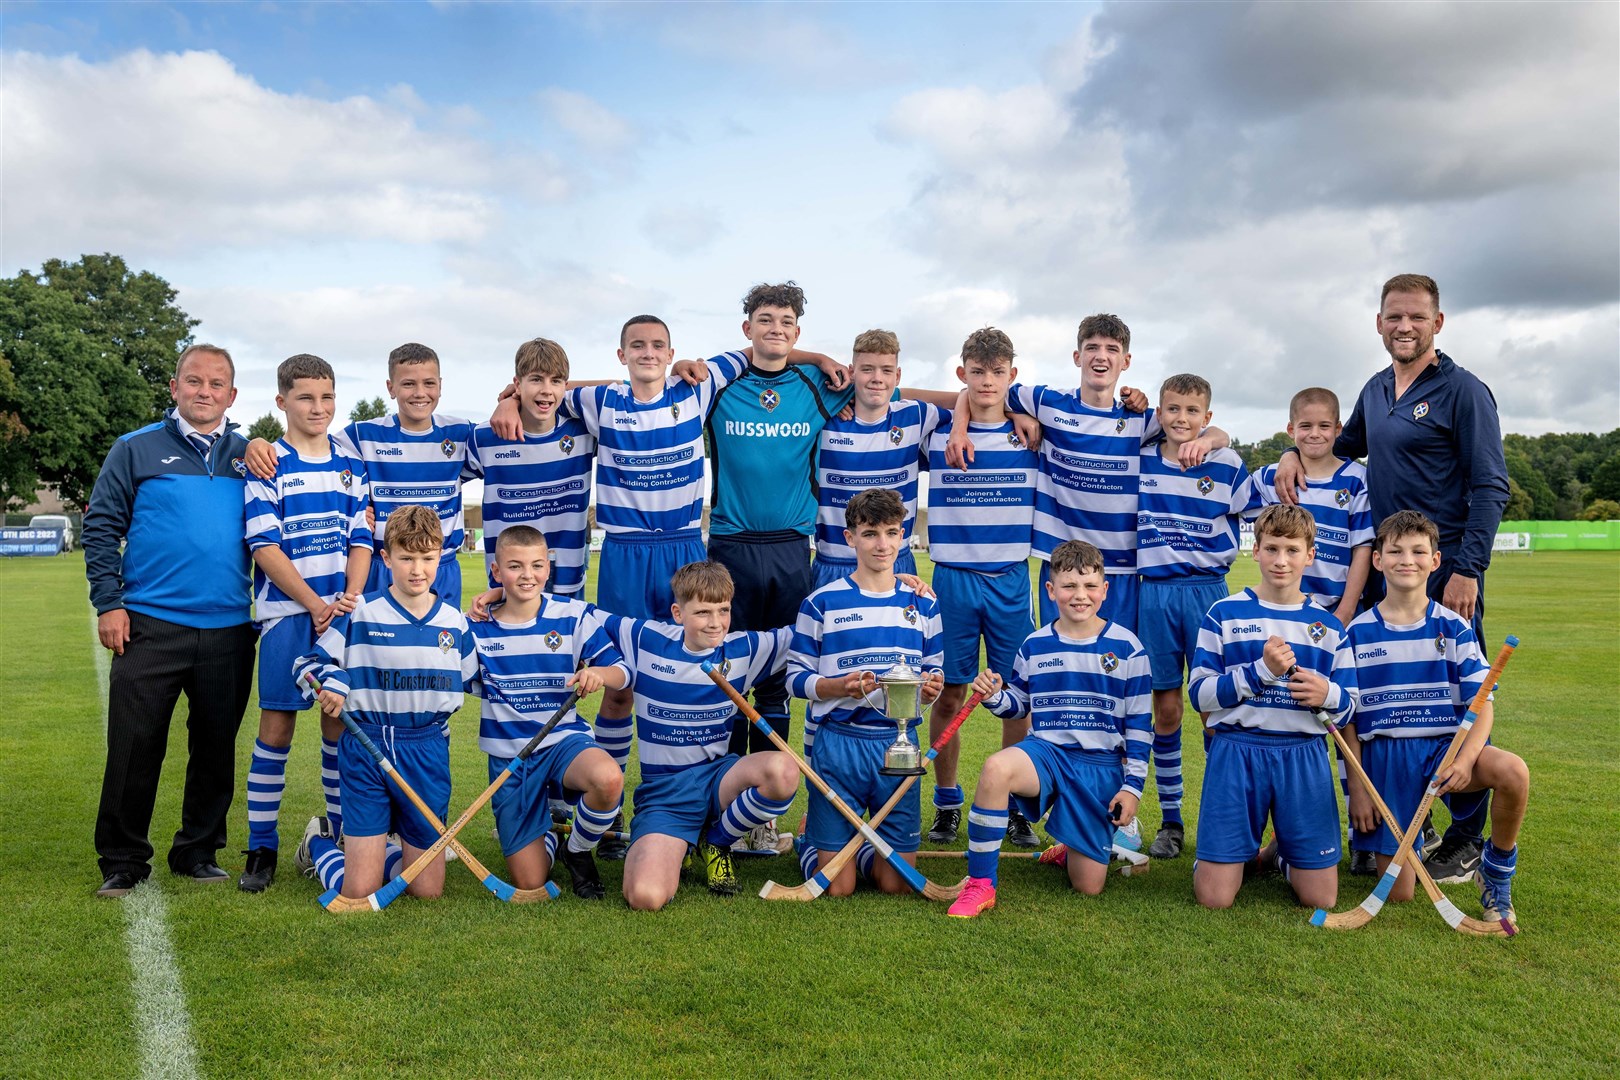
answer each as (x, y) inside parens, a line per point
(1562, 535)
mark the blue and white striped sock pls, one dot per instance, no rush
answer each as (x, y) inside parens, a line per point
(1167, 774)
(329, 864)
(948, 798)
(810, 728)
(330, 785)
(865, 855)
(986, 830)
(267, 779)
(1498, 864)
(747, 811)
(808, 857)
(1344, 776)
(589, 825)
(550, 842)
(615, 734)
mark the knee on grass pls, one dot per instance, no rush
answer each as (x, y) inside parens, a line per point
(646, 896)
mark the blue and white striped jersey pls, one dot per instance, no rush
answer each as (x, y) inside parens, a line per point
(1089, 462)
(396, 669)
(682, 718)
(1344, 522)
(1187, 520)
(1231, 682)
(649, 457)
(840, 630)
(1091, 693)
(314, 509)
(414, 468)
(980, 518)
(543, 481)
(1414, 680)
(853, 455)
(523, 668)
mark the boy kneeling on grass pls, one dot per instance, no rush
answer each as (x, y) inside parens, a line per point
(398, 663)
(1085, 684)
(1418, 667)
(1267, 660)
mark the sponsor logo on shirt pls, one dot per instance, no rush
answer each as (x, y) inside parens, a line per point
(1249, 628)
(380, 633)
(751, 428)
(170, 460)
(505, 454)
(855, 618)
(387, 451)
(832, 440)
(627, 421)
(492, 646)
(1372, 654)
(290, 483)
(1056, 661)
(769, 399)
(666, 669)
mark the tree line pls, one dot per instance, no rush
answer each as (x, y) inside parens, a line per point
(87, 349)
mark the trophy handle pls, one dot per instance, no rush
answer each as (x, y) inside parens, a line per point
(866, 695)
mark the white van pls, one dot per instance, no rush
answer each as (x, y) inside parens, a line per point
(55, 521)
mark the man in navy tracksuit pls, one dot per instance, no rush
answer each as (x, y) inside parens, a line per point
(1433, 443)
(173, 606)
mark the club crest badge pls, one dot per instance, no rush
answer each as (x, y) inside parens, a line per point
(675, 410)
(910, 613)
(1420, 410)
(1119, 425)
(346, 477)
(1317, 630)
(449, 448)
(239, 466)
(769, 399)
(1440, 644)
(1013, 439)
(1109, 663)
(566, 444)
(896, 434)
(1205, 485)
(447, 641)
(725, 667)
(1342, 496)
(553, 640)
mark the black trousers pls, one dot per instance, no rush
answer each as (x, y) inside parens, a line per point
(772, 574)
(214, 669)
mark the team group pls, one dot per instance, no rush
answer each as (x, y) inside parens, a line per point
(1131, 511)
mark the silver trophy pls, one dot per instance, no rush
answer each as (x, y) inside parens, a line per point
(902, 703)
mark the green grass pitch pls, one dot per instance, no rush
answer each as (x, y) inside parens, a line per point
(1140, 982)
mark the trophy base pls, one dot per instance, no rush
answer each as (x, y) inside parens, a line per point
(912, 770)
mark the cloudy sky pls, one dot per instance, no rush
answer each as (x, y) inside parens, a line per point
(1235, 181)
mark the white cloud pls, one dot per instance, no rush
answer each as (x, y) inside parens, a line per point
(596, 128)
(150, 153)
(681, 228)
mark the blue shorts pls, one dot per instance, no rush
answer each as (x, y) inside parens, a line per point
(827, 570)
(992, 606)
(849, 764)
(1249, 775)
(1171, 612)
(683, 803)
(1119, 607)
(1401, 770)
(1078, 788)
(281, 643)
(522, 806)
(372, 804)
(632, 578)
(446, 586)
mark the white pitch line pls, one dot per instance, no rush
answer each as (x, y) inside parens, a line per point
(162, 1021)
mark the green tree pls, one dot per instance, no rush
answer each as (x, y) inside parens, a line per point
(1268, 451)
(266, 427)
(1606, 479)
(1544, 503)
(368, 410)
(69, 395)
(1520, 507)
(131, 316)
(1602, 510)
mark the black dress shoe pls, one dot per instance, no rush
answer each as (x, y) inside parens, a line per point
(206, 871)
(119, 884)
(582, 866)
(260, 871)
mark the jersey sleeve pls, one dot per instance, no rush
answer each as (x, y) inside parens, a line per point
(595, 645)
(1342, 688)
(359, 530)
(1468, 666)
(584, 403)
(933, 637)
(804, 652)
(263, 500)
(1024, 399)
(1265, 485)
(1211, 685)
(833, 401)
(348, 440)
(1152, 430)
(770, 652)
(469, 657)
(325, 661)
(1246, 502)
(1362, 526)
(622, 631)
(1138, 705)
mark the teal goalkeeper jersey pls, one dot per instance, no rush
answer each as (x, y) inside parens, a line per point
(762, 449)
